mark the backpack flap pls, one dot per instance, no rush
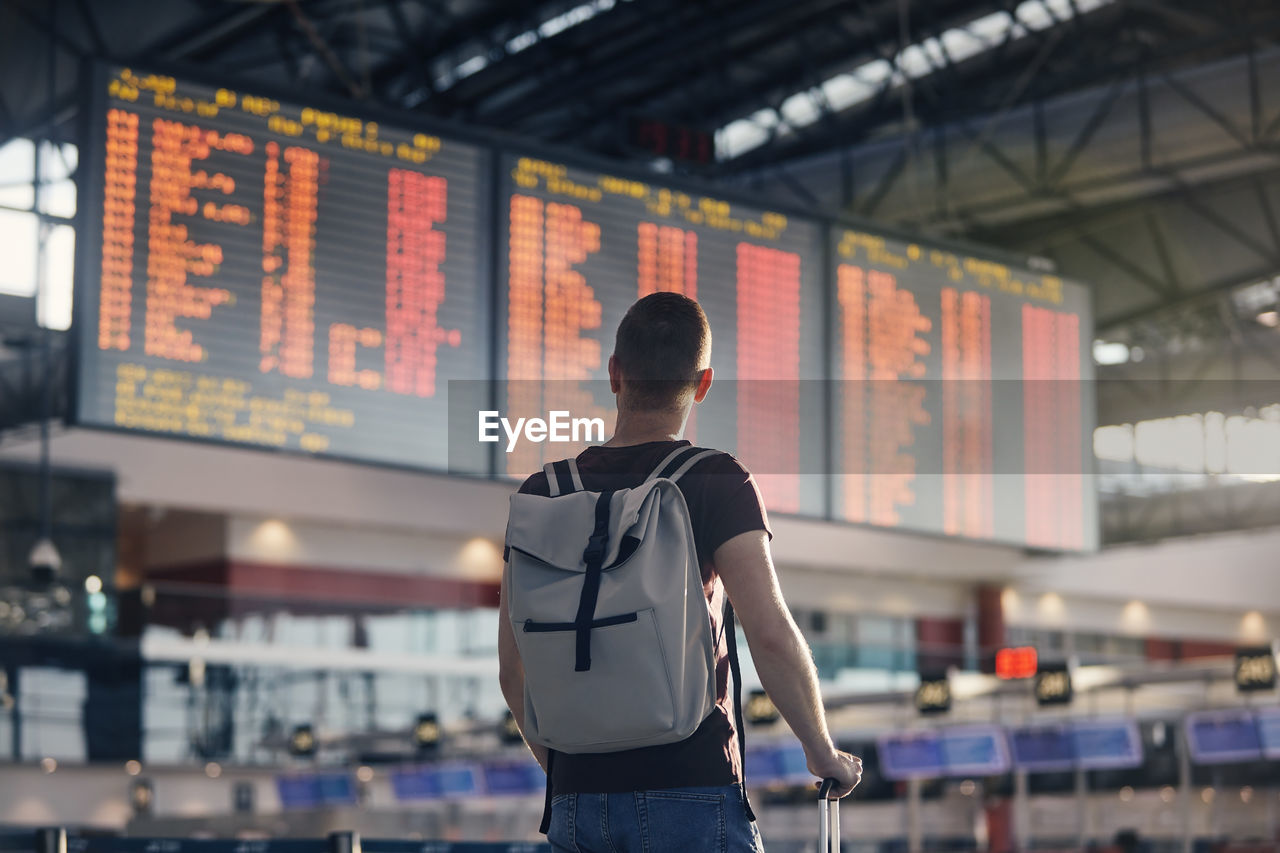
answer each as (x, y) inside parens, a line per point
(555, 530)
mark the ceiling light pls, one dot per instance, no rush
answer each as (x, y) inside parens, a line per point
(1110, 352)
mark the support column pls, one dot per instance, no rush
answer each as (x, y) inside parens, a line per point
(991, 629)
(991, 636)
(1021, 808)
(1000, 826)
(939, 644)
(13, 683)
(915, 817)
(1083, 831)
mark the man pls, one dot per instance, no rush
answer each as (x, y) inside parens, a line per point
(687, 795)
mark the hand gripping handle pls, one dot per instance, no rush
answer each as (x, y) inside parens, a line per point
(829, 818)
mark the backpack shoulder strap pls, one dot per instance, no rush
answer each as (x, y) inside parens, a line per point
(678, 461)
(563, 477)
(735, 669)
(688, 463)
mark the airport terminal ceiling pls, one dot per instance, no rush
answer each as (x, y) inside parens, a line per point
(781, 84)
(1130, 144)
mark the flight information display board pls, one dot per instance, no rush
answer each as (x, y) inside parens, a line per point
(1269, 732)
(1223, 737)
(275, 274)
(926, 754)
(963, 400)
(1106, 744)
(1043, 748)
(316, 790)
(582, 246)
(433, 782)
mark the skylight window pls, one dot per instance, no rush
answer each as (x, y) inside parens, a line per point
(552, 26)
(913, 62)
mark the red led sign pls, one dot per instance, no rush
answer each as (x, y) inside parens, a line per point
(1017, 662)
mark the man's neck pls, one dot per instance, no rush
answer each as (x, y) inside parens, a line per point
(643, 427)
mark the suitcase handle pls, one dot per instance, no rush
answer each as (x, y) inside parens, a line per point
(829, 818)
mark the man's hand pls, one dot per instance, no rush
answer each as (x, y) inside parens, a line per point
(781, 655)
(846, 769)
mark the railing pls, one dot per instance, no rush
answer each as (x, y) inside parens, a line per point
(58, 840)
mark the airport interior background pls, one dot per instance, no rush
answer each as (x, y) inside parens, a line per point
(995, 296)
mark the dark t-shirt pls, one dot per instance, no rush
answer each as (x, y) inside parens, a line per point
(723, 502)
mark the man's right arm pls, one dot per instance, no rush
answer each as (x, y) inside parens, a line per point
(781, 655)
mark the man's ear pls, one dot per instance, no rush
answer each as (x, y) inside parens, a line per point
(615, 375)
(704, 385)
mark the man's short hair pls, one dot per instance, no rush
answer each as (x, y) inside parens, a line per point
(663, 344)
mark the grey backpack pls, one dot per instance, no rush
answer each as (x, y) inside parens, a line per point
(604, 594)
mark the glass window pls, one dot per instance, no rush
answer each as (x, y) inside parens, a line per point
(54, 304)
(876, 641)
(19, 240)
(17, 172)
(58, 187)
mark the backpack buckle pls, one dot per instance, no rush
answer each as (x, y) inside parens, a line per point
(595, 548)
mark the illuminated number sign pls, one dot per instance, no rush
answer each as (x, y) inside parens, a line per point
(302, 742)
(760, 709)
(509, 731)
(933, 696)
(1255, 669)
(961, 367)
(275, 274)
(1017, 662)
(426, 732)
(1053, 684)
(664, 139)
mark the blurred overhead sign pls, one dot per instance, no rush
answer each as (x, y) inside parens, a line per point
(1088, 744)
(1053, 684)
(760, 709)
(303, 741)
(933, 696)
(1255, 669)
(1017, 662)
(673, 141)
(966, 751)
(509, 731)
(426, 733)
(1223, 737)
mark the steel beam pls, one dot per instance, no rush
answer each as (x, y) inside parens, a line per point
(1162, 252)
(856, 126)
(885, 183)
(1203, 106)
(99, 44)
(1226, 227)
(1087, 132)
(1202, 295)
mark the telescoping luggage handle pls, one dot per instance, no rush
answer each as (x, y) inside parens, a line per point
(829, 817)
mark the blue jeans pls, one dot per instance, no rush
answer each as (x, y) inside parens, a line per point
(675, 820)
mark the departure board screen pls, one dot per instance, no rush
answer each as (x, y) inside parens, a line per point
(276, 274)
(964, 403)
(582, 246)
